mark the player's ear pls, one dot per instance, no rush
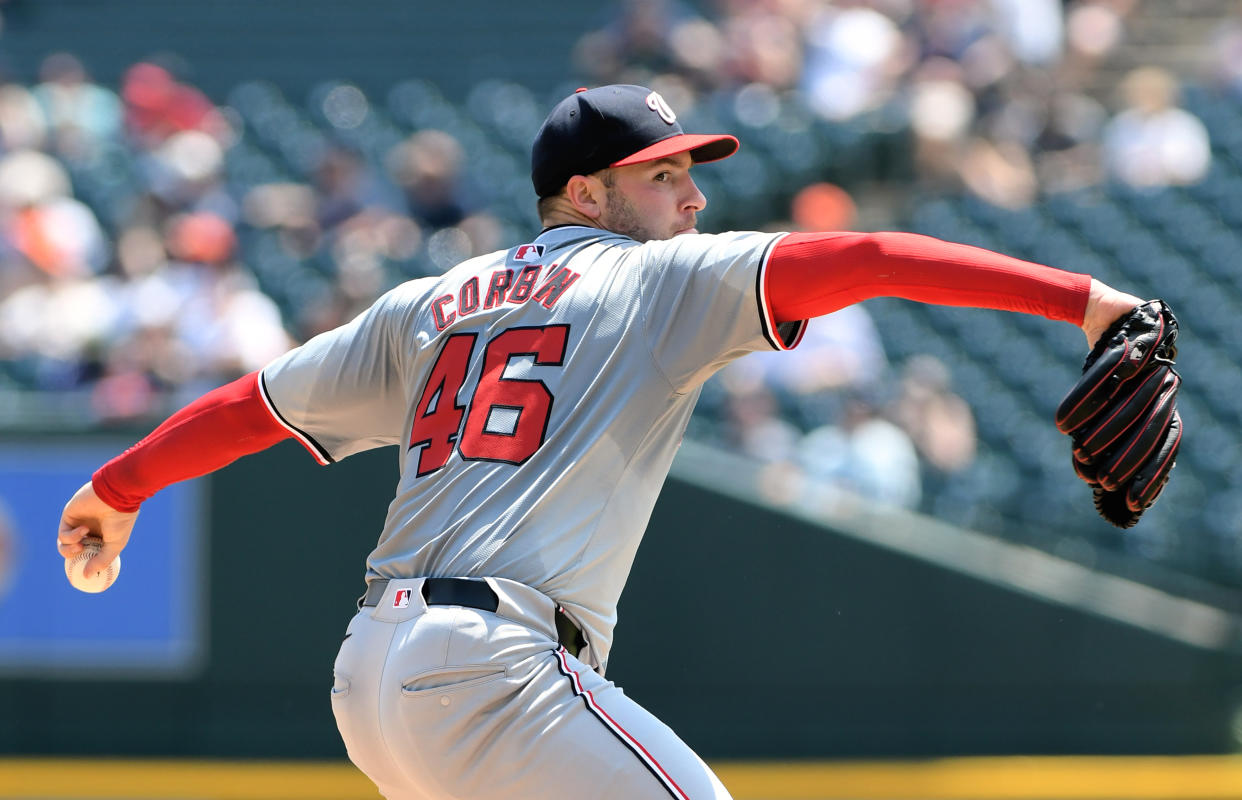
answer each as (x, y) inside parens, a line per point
(586, 193)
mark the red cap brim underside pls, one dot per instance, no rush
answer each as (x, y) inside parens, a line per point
(702, 147)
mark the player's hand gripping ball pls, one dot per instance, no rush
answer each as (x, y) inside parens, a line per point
(1122, 413)
(74, 569)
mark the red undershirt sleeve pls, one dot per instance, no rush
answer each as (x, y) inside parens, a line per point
(211, 432)
(812, 274)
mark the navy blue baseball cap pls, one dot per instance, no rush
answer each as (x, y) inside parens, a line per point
(611, 126)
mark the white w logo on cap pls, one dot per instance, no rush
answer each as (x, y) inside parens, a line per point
(659, 105)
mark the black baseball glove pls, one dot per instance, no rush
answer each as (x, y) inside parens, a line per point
(1122, 413)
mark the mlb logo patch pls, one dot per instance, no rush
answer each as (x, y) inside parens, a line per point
(528, 253)
(401, 599)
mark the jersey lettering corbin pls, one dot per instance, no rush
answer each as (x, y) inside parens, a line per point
(503, 288)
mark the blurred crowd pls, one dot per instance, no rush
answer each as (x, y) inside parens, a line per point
(998, 95)
(147, 252)
(146, 293)
(123, 275)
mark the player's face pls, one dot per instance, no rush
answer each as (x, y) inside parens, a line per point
(653, 200)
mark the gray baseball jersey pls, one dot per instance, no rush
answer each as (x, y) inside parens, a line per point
(538, 396)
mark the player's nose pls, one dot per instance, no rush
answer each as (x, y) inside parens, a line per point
(694, 199)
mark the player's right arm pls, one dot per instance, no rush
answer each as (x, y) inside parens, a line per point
(211, 432)
(330, 394)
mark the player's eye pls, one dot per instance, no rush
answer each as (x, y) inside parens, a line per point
(663, 176)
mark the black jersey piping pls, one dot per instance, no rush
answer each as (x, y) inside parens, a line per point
(307, 439)
(771, 328)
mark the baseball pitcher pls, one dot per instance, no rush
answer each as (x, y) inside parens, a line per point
(536, 397)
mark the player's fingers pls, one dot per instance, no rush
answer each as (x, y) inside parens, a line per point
(1137, 447)
(1084, 471)
(69, 539)
(1101, 434)
(1153, 476)
(68, 550)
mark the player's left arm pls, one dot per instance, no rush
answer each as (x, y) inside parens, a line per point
(1121, 414)
(812, 274)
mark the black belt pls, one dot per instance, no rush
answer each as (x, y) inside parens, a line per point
(474, 593)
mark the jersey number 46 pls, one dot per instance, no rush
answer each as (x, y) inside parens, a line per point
(506, 418)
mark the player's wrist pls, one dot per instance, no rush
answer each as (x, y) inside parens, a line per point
(1105, 305)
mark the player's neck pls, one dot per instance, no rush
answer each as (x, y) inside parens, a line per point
(564, 213)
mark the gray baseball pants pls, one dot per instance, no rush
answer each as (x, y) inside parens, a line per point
(445, 701)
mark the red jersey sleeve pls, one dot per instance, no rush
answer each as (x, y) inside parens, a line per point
(213, 431)
(812, 274)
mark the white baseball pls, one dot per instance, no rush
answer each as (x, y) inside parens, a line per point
(90, 583)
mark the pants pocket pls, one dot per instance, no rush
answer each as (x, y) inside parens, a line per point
(443, 680)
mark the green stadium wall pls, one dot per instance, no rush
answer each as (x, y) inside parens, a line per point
(754, 635)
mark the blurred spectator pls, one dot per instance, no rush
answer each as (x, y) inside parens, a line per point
(939, 422)
(762, 43)
(289, 209)
(823, 207)
(184, 173)
(865, 454)
(949, 28)
(29, 177)
(1152, 142)
(22, 124)
(1094, 29)
(345, 185)
(942, 112)
(50, 328)
(1225, 68)
(754, 425)
(187, 313)
(839, 352)
(1067, 145)
(81, 114)
(1033, 29)
(428, 168)
(358, 248)
(229, 325)
(61, 237)
(700, 51)
(40, 220)
(126, 387)
(635, 44)
(157, 106)
(1000, 172)
(144, 356)
(854, 57)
